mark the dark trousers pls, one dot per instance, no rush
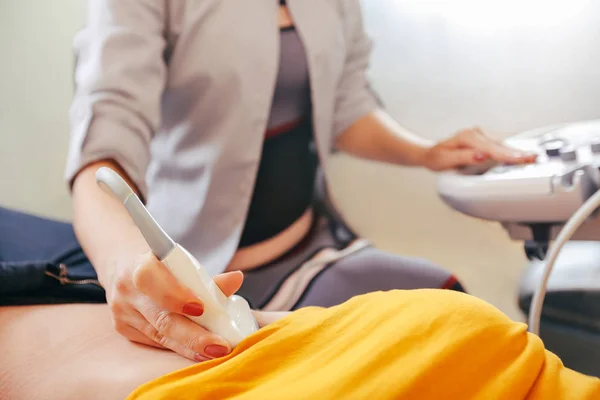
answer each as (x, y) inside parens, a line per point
(41, 262)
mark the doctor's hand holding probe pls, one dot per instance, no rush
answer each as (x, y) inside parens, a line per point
(148, 304)
(122, 75)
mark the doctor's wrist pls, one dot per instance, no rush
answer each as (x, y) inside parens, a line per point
(421, 155)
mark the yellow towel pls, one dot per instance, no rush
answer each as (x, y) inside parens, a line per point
(419, 344)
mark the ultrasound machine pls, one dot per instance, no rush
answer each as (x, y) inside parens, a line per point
(551, 206)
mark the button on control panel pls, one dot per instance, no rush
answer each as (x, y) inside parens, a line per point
(595, 146)
(553, 147)
(568, 154)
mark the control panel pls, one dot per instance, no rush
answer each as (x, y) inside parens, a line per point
(550, 190)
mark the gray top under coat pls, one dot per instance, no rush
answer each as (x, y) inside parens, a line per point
(179, 93)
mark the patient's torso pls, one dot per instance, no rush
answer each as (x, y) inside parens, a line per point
(416, 344)
(72, 352)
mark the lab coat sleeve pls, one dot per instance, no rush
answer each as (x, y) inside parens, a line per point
(120, 75)
(355, 97)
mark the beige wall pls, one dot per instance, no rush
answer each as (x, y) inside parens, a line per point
(35, 90)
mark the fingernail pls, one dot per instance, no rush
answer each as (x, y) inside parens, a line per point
(523, 155)
(479, 156)
(216, 351)
(193, 309)
(199, 357)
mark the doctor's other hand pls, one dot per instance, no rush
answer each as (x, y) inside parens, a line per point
(149, 306)
(471, 147)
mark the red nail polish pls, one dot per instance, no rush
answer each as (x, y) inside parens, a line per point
(193, 309)
(479, 156)
(216, 351)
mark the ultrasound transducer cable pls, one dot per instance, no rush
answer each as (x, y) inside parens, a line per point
(568, 230)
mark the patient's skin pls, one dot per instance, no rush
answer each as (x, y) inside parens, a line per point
(72, 352)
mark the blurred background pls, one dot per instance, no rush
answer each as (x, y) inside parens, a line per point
(440, 66)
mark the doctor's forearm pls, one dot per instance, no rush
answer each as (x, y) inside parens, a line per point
(378, 137)
(103, 227)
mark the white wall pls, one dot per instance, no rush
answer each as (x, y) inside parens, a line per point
(35, 91)
(506, 64)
